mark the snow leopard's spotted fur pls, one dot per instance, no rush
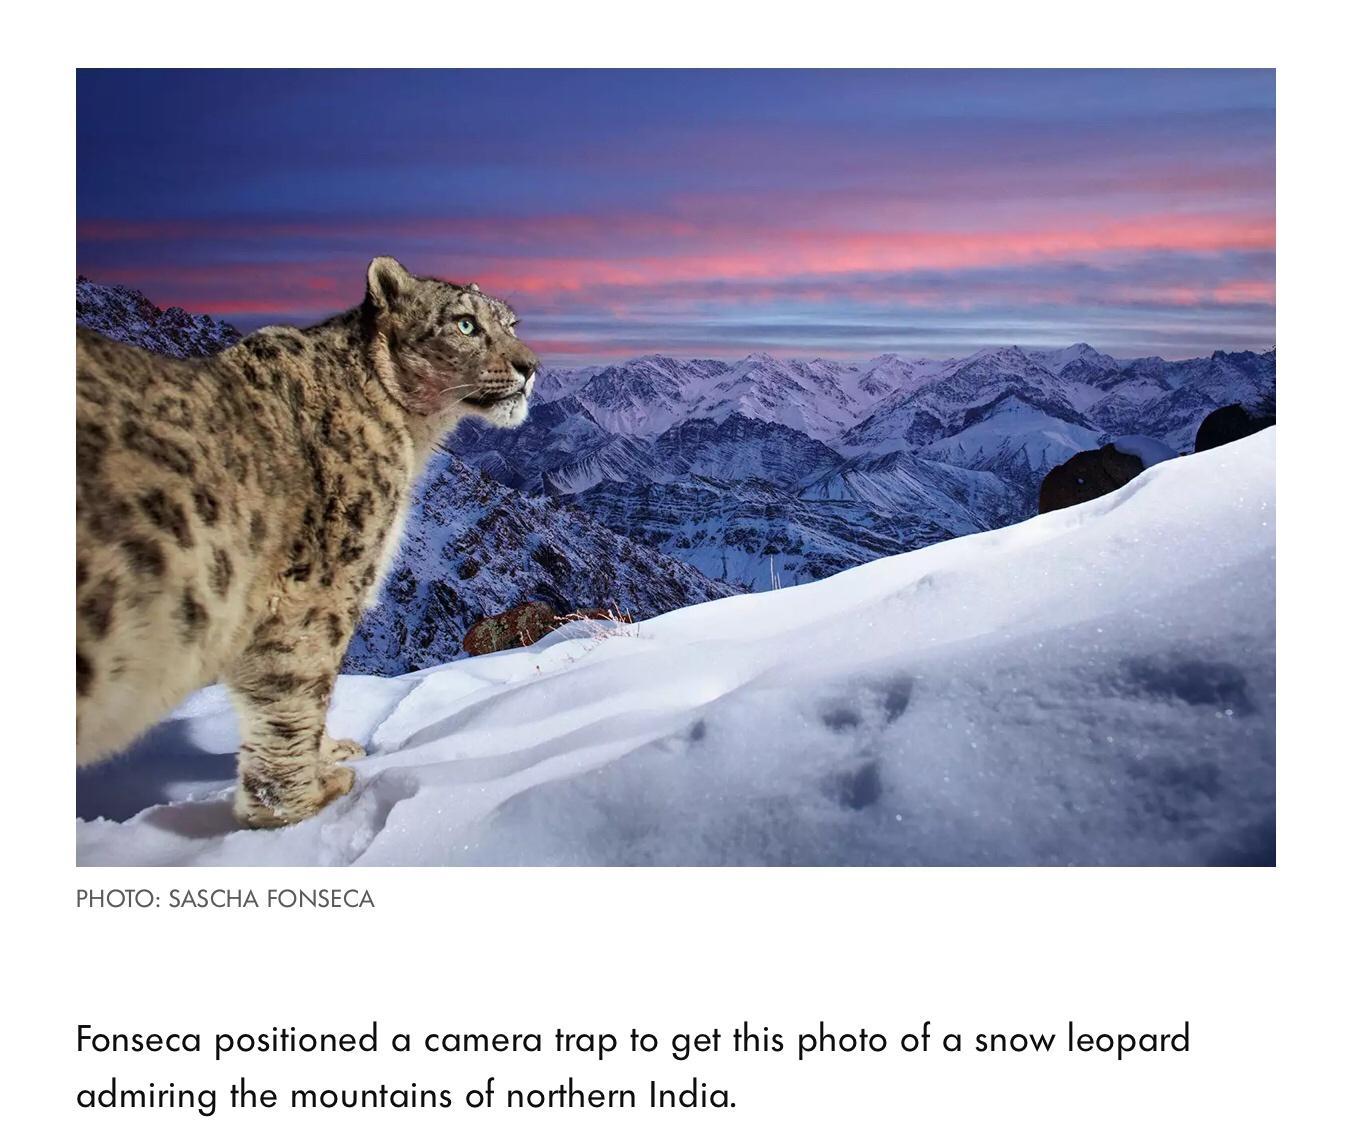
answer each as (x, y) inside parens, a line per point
(236, 513)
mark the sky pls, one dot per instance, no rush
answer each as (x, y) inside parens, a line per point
(703, 213)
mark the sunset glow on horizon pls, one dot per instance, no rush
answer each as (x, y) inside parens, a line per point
(838, 214)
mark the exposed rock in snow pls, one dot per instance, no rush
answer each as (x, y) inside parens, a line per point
(1230, 424)
(522, 625)
(1094, 686)
(1088, 475)
(1093, 473)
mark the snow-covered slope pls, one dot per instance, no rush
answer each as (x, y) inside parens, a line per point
(1017, 442)
(965, 501)
(812, 396)
(1078, 363)
(560, 448)
(959, 397)
(1093, 686)
(642, 396)
(890, 374)
(738, 447)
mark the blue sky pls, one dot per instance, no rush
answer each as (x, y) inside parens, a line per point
(704, 213)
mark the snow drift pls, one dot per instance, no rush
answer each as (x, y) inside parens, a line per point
(1093, 686)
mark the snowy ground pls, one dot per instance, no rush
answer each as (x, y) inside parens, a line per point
(1094, 686)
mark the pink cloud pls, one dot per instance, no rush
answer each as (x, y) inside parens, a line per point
(681, 258)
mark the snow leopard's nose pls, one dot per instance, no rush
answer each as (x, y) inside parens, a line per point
(525, 368)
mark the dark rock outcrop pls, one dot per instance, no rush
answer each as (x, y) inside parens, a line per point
(1230, 424)
(1089, 474)
(525, 624)
(522, 625)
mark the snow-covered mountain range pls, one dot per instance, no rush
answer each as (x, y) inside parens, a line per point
(767, 471)
(125, 314)
(755, 473)
(472, 546)
(1094, 686)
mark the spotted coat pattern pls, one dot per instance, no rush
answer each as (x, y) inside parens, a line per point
(235, 514)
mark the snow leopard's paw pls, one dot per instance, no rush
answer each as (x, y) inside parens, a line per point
(270, 803)
(341, 750)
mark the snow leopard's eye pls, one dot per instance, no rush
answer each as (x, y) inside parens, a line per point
(466, 325)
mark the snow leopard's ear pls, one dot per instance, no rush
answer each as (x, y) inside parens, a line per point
(387, 282)
(473, 287)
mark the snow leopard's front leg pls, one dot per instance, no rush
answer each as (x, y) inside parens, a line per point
(288, 766)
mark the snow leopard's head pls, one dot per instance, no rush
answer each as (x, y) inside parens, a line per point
(446, 350)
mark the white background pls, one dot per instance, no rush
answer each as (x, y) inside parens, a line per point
(1260, 961)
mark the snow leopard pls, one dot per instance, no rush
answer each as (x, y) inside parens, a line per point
(235, 515)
